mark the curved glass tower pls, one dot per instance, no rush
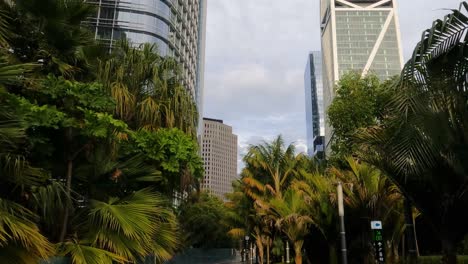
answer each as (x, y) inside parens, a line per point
(176, 26)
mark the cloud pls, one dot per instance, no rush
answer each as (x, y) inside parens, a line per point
(255, 61)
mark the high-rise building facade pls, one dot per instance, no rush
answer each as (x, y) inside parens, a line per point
(359, 35)
(219, 154)
(315, 116)
(176, 26)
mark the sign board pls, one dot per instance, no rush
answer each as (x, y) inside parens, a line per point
(378, 241)
(376, 225)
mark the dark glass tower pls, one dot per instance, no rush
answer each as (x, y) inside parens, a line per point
(314, 105)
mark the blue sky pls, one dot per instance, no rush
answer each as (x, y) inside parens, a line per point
(255, 59)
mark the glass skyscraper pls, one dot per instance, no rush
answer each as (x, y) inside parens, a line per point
(359, 35)
(177, 27)
(315, 118)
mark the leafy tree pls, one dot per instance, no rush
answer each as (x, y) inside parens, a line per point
(203, 222)
(359, 102)
(175, 154)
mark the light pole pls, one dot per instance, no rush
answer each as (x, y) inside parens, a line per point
(342, 224)
(246, 248)
(251, 253)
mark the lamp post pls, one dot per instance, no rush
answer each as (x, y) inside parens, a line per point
(251, 253)
(342, 224)
(246, 248)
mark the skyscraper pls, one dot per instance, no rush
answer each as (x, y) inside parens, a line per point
(360, 35)
(315, 119)
(219, 154)
(177, 27)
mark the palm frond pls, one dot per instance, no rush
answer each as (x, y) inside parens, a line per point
(135, 226)
(81, 253)
(11, 74)
(437, 41)
(19, 233)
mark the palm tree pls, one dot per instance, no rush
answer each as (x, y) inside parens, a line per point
(319, 192)
(20, 238)
(269, 168)
(51, 32)
(422, 142)
(243, 219)
(124, 230)
(291, 215)
(371, 195)
(268, 173)
(147, 88)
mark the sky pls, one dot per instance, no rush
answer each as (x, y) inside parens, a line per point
(256, 53)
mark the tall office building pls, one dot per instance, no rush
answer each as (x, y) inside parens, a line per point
(360, 35)
(176, 26)
(315, 118)
(219, 154)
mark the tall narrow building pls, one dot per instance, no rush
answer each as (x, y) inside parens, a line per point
(315, 118)
(359, 35)
(219, 154)
(176, 26)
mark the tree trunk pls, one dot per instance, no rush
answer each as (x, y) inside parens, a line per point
(298, 252)
(260, 248)
(66, 214)
(268, 251)
(409, 232)
(449, 252)
(67, 209)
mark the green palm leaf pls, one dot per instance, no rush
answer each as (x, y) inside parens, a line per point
(133, 227)
(80, 253)
(19, 235)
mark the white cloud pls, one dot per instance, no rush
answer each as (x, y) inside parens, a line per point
(256, 55)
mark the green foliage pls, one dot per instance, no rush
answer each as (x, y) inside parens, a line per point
(359, 102)
(147, 89)
(20, 238)
(175, 153)
(51, 32)
(128, 226)
(204, 223)
(72, 170)
(422, 142)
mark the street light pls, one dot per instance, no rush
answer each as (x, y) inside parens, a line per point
(246, 248)
(342, 225)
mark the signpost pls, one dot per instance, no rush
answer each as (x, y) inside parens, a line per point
(378, 241)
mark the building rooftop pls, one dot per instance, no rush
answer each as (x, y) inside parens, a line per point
(213, 120)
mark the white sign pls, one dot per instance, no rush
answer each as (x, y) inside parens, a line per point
(376, 225)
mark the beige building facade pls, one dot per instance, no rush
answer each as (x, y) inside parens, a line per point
(219, 153)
